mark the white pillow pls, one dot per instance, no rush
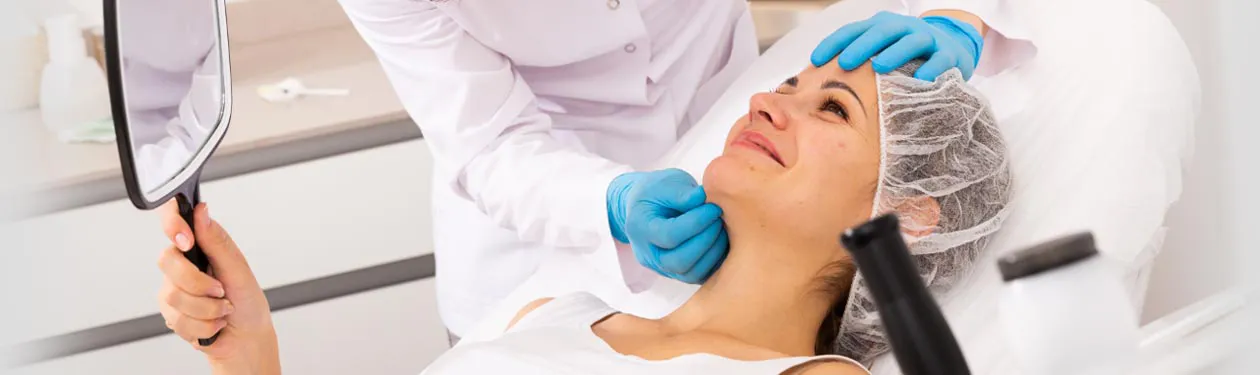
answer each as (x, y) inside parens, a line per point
(1099, 145)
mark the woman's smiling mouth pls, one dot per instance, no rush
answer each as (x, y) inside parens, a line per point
(756, 141)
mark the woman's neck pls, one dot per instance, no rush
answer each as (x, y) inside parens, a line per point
(758, 297)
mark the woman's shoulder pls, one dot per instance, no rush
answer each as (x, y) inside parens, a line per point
(827, 366)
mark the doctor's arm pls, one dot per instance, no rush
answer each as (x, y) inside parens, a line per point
(483, 124)
(481, 121)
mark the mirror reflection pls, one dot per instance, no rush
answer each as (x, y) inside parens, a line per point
(173, 83)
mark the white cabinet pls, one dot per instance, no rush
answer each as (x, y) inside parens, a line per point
(96, 265)
(392, 330)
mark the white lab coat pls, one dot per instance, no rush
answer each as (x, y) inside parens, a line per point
(166, 139)
(532, 108)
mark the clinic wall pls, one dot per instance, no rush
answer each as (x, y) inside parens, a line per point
(1195, 262)
(1237, 26)
(24, 50)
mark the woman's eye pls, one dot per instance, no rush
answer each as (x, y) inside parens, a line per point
(834, 107)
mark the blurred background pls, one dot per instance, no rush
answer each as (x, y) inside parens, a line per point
(315, 189)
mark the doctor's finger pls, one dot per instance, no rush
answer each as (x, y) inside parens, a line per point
(872, 42)
(681, 197)
(657, 252)
(908, 48)
(174, 226)
(683, 258)
(668, 233)
(838, 41)
(185, 276)
(647, 255)
(710, 262)
(935, 66)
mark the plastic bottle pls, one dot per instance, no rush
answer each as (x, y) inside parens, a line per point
(73, 90)
(1064, 309)
(24, 55)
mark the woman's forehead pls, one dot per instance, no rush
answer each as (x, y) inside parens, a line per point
(863, 76)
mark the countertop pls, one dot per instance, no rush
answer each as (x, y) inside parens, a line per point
(321, 49)
(261, 134)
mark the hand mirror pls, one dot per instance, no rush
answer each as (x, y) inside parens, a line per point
(171, 97)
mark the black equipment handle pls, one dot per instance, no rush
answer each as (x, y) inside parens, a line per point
(195, 255)
(917, 331)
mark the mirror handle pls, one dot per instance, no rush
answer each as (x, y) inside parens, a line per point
(198, 258)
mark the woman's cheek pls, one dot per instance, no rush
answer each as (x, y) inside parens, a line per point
(736, 129)
(806, 209)
(823, 145)
(838, 160)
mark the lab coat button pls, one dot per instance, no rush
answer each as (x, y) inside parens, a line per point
(630, 48)
(614, 4)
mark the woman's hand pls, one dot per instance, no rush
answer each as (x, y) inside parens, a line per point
(196, 305)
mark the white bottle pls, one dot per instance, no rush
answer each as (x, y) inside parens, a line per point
(1064, 310)
(24, 55)
(73, 90)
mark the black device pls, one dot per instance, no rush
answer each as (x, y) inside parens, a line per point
(920, 337)
(171, 99)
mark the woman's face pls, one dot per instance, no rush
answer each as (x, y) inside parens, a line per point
(804, 162)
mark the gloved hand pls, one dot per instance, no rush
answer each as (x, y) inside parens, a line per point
(664, 217)
(895, 39)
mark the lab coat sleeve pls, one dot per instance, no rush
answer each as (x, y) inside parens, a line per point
(1006, 45)
(486, 132)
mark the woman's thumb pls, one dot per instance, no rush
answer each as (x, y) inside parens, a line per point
(225, 258)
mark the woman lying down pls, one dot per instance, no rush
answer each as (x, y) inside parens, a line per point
(825, 151)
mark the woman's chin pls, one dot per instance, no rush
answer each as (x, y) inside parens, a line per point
(730, 177)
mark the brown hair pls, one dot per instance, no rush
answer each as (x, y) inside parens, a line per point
(836, 281)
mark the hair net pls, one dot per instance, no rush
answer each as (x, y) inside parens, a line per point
(939, 140)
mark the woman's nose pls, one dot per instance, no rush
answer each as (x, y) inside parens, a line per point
(766, 107)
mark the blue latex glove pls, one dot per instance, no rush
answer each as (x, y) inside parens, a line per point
(664, 218)
(893, 40)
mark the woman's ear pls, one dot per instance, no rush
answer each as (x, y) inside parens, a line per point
(919, 215)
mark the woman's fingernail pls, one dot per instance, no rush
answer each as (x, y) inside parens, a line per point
(182, 241)
(217, 292)
(229, 309)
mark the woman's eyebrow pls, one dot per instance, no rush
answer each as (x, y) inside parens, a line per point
(834, 84)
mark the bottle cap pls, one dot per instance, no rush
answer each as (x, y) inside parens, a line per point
(1047, 256)
(65, 39)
